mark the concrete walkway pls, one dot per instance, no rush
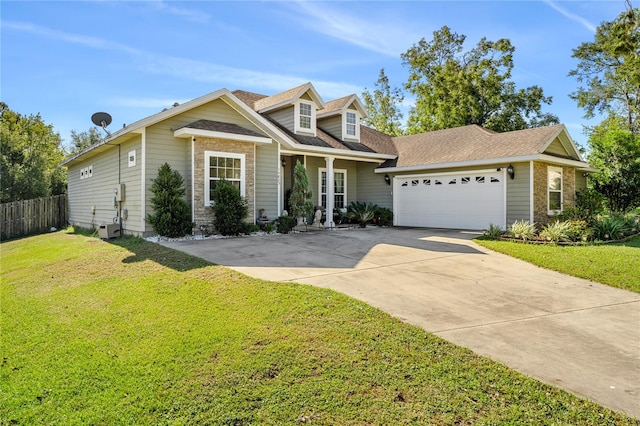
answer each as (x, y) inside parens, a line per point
(576, 334)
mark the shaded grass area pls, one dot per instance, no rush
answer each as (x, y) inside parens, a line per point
(616, 265)
(135, 333)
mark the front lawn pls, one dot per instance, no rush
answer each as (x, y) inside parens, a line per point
(617, 265)
(130, 332)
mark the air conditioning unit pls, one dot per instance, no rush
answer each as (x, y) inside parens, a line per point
(110, 230)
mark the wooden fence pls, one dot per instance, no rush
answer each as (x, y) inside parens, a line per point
(35, 216)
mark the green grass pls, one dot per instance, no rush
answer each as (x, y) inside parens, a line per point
(616, 265)
(130, 332)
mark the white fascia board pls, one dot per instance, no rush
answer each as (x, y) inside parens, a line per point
(314, 151)
(470, 163)
(186, 132)
(580, 165)
(456, 173)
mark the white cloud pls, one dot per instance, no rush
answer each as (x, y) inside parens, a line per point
(188, 14)
(384, 37)
(194, 70)
(572, 16)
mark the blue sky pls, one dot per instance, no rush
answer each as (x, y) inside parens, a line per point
(67, 60)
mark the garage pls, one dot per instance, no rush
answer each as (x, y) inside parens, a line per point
(460, 200)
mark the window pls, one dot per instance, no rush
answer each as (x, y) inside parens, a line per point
(222, 165)
(339, 188)
(554, 189)
(305, 116)
(351, 124)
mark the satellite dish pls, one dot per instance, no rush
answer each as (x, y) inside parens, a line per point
(101, 119)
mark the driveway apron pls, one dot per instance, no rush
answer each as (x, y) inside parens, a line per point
(576, 334)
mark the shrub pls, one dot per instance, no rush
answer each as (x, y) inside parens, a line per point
(590, 202)
(579, 230)
(556, 231)
(171, 215)
(300, 202)
(269, 228)
(383, 216)
(230, 209)
(362, 212)
(284, 224)
(609, 228)
(632, 222)
(494, 231)
(253, 227)
(522, 230)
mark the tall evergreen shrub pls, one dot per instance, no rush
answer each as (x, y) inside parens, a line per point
(230, 209)
(171, 215)
(300, 202)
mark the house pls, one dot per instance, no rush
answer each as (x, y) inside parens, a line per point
(466, 177)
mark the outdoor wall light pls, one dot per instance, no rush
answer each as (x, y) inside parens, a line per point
(283, 162)
(387, 179)
(510, 171)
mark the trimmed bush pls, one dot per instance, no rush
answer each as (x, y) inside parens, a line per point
(230, 209)
(171, 215)
(284, 224)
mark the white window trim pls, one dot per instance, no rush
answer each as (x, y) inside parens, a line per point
(207, 171)
(555, 169)
(322, 169)
(357, 124)
(296, 122)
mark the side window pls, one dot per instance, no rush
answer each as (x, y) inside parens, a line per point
(222, 165)
(554, 189)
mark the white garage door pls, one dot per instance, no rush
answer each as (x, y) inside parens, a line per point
(469, 200)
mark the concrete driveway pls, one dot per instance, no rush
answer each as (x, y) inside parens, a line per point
(576, 334)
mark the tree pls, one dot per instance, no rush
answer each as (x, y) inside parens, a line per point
(383, 107)
(615, 152)
(171, 215)
(30, 156)
(453, 88)
(83, 140)
(609, 68)
(230, 209)
(300, 201)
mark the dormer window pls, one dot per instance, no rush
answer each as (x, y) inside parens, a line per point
(305, 115)
(351, 124)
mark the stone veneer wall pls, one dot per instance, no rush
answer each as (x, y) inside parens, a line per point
(204, 214)
(540, 215)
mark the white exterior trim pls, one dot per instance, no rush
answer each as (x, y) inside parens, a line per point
(323, 169)
(189, 132)
(143, 183)
(531, 198)
(193, 180)
(536, 157)
(296, 117)
(561, 171)
(207, 170)
(345, 135)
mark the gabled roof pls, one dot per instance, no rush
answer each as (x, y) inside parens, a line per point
(339, 106)
(288, 97)
(472, 144)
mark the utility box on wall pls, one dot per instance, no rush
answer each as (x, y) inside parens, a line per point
(110, 230)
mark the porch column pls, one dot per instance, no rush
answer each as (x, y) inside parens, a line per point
(330, 185)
